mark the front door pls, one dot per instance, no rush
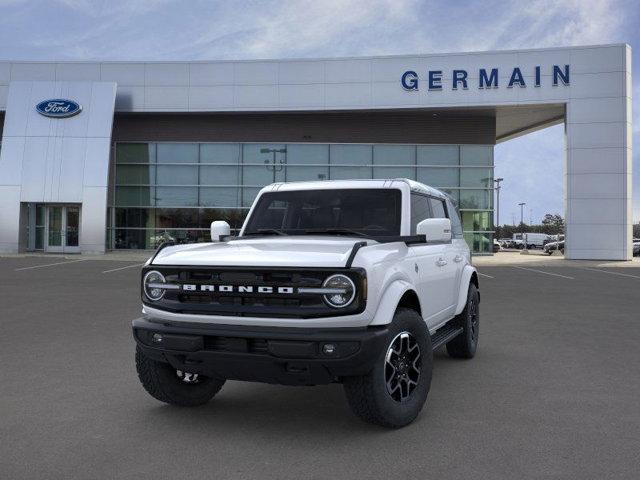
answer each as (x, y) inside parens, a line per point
(63, 227)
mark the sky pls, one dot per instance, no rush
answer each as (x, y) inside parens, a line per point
(532, 165)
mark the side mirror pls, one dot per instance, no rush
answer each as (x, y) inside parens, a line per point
(219, 229)
(435, 229)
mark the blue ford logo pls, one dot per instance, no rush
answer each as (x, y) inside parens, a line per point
(58, 108)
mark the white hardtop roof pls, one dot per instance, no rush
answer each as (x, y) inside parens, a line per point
(360, 183)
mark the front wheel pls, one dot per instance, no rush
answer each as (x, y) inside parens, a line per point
(173, 386)
(395, 390)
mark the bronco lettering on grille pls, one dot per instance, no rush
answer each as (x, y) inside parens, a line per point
(190, 287)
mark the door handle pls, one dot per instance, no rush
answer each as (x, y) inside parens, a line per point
(441, 262)
(458, 258)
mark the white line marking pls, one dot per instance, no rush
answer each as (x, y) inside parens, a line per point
(50, 264)
(545, 273)
(122, 268)
(610, 273)
(485, 275)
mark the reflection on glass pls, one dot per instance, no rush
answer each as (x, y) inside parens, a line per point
(477, 221)
(476, 177)
(177, 152)
(391, 155)
(439, 177)
(476, 155)
(177, 175)
(227, 176)
(220, 175)
(55, 227)
(73, 226)
(476, 199)
(266, 167)
(307, 162)
(39, 238)
(219, 197)
(135, 153)
(438, 155)
(176, 196)
(220, 153)
(135, 196)
(480, 242)
(136, 175)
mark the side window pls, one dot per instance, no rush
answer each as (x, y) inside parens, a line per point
(419, 210)
(456, 225)
(438, 209)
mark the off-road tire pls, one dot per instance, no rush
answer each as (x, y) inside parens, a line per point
(162, 383)
(466, 344)
(368, 396)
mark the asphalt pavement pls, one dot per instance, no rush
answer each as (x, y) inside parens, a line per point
(554, 391)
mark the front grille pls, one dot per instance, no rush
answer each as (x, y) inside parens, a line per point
(238, 345)
(273, 303)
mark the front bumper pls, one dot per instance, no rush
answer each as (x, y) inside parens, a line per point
(288, 356)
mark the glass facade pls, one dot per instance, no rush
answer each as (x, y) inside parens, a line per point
(173, 191)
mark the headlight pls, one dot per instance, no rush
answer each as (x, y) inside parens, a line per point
(344, 291)
(152, 283)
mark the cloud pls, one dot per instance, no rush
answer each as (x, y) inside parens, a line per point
(249, 29)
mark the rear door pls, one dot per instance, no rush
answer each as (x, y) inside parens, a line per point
(448, 262)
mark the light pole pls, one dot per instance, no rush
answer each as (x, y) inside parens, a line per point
(273, 165)
(524, 240)
(497, 182)
(522, 212)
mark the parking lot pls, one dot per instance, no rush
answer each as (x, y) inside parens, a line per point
(553, 392)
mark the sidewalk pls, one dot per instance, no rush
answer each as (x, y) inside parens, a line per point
(536, 257)
(118, 256)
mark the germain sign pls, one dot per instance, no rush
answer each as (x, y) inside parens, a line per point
(487, 78)
(58, 108)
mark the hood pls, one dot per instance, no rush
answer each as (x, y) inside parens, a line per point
(286, 251)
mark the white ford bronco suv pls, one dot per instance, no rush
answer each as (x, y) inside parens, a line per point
(349, 281)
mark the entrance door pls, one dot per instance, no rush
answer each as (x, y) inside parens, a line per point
(72, 229)
(63, 227)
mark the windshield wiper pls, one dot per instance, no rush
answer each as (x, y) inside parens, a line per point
(266, 231)
(337, 231)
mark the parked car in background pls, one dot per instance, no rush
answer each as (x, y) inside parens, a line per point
(636, 247)
(532, 240)
(496, 246)
(506, 242)
(550, 247)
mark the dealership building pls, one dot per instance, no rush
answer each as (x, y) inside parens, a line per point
(99, 156)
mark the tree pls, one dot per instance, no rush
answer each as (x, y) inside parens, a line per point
(554, 220)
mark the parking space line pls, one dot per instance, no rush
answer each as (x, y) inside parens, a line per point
(122, 268)
(544, 273)
(50, 264)
(485, 275)
(610, 273)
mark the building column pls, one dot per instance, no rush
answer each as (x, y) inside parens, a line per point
(598, 202)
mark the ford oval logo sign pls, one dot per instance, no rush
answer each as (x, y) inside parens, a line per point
(58, 108)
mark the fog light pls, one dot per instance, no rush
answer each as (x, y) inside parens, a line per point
(328, 349)
(157, 338)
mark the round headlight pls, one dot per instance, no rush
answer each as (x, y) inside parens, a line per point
(151, 281)
(344, 291)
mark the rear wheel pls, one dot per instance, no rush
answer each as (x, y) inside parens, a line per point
(465, 344)
(172, 386)
(395, 390)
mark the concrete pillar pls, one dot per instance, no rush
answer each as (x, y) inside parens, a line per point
(598, 205)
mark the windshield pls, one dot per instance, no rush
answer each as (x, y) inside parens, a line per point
(359, 212)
